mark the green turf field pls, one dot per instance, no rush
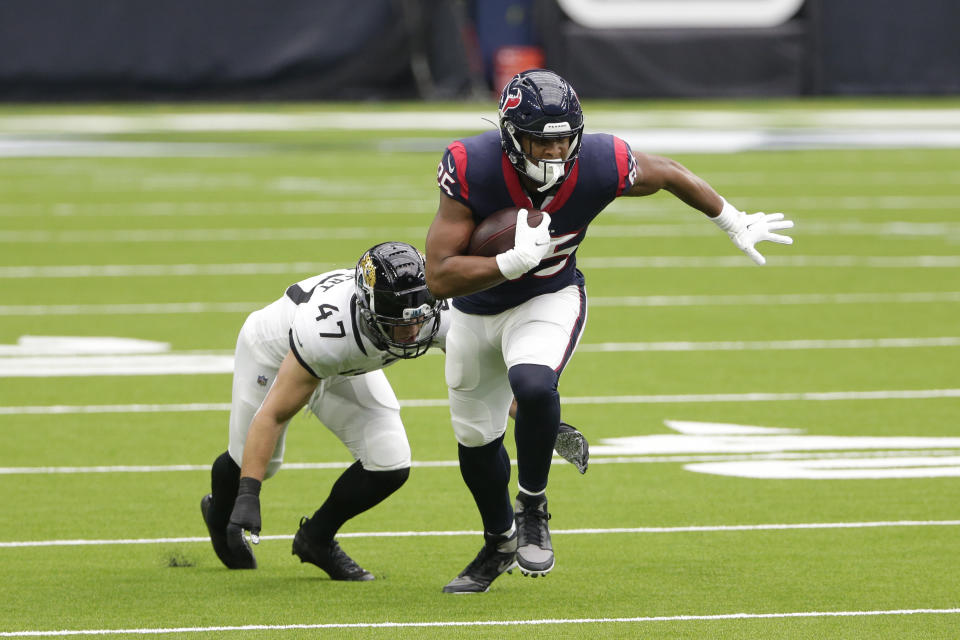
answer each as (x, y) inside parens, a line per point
(776, 451)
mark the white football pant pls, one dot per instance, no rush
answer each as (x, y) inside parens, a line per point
(362, 411)
(481, 349)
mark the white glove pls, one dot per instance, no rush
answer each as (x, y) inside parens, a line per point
(530, 245)
(747, 230)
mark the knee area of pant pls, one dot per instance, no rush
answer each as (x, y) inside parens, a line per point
(533, 382)
(472, 436)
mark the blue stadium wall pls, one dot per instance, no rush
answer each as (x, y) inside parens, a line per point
(398, 49)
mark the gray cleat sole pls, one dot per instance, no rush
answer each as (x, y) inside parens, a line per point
(536, 573)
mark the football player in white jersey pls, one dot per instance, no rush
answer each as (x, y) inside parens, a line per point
(323, 345)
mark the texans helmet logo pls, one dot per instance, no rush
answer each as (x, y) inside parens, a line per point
(512, 100)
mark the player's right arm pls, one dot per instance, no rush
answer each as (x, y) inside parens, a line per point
(450, 272)
(289, 393)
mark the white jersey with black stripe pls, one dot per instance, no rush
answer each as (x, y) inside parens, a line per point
(317, 319)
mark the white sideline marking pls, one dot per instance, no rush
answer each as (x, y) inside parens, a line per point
(581, 531)
(598, 301)
(482, 623)
(817, 396)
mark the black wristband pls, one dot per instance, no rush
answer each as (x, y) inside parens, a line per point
(249, 486)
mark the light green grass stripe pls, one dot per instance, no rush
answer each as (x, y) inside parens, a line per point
(611, 262)
(402, 204)
(173, 308)
(125, 236)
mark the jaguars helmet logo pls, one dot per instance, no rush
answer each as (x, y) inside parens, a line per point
(369, 271)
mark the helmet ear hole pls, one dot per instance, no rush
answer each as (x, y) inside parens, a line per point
(397, 312)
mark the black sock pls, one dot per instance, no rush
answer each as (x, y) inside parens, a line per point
(486, 470)
(224, 483)
(355, 491)
(537, 422)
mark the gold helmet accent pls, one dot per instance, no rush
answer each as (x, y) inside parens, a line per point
(369, 270)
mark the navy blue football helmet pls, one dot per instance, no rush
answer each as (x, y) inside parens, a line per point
(397, 312)
(541, 104)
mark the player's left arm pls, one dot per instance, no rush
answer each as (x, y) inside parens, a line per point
(745, 230)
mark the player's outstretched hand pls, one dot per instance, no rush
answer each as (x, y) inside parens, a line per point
(245, 517)
(746, 230)
(531, 244)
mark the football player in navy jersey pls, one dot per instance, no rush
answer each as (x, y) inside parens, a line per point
(516, 318)
(323, 344)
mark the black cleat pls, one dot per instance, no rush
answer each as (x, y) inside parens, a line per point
(534, 549)
(498, 555)
(243, 558)
(573, 447)
(328, 556)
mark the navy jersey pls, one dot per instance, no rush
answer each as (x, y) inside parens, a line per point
(475, 172)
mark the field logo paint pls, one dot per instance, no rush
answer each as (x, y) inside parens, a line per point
(904, 457)
(48, 356)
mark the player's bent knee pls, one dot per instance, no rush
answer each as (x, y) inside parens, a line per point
(385, 449)
(533, 383)
(474, 435)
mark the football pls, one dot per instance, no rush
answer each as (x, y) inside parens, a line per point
(495, 233)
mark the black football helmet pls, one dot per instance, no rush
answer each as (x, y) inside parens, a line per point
(397, 312)
(540, 103)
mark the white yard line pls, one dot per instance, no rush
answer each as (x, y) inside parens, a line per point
(943, 454)
(771, 345)
(764, 299)
(814, 396)
(592, 531)
(537, 622)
